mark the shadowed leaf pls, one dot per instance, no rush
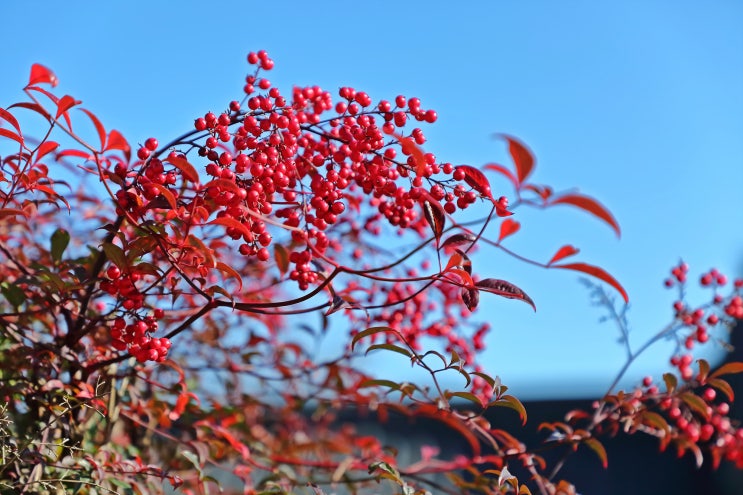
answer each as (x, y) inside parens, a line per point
(504, 289)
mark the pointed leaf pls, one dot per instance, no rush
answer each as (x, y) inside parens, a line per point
(116, 255)
(370, 331)
(281, 256)
(511, 402)
(461, 260)
(458, 240)
(564, 252)
(59, 241)
(41, 75)
(230, 222)
(727, 369)
(45, 148)
(435, 216)
(597, 272)
(508, 227)
(230, 272)
(11, 212)
(167, 194)
(188, 170)
(695, 403)
(98, 126)
(389, 347)
(671, 382)
(591, 206)
(476, 180)
(522, 157)
(504, 288)
(379, 383)
(503, 171)
(466, 396)
(599, 449)
(64, 104)
(11, 135)
(722, 386)
(117, 142)
(6, 115)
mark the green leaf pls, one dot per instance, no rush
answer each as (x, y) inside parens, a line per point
(467, 396)
(60, 239)
(599, 449)
(511, 402)
(14, 294)
(116, 255)
(380, 383)
(390, 347)
(369, 331)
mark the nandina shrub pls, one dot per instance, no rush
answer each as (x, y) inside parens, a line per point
(161, 307)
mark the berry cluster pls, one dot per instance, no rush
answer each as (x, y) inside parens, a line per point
(135, 336)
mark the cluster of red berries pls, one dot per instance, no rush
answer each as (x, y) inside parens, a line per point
(137, 335)
(299, 163)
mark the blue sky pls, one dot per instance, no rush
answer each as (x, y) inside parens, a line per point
(639, 104)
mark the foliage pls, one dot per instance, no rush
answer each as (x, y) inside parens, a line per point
(161, 311)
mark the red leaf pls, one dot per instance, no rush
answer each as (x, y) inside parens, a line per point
(117, 142)
(508, 227)
(544, 192)
(44, 148)
(6, 115)
(64, 104)
(410, 148)
(188, 170)
(522, 157)
(11, 135)
(470, 298)
(564, 252)
(591, 206)
(41, 75)
(461, 260)
(728, 369)
(504, 171)
(435, 216)
(464, 277)
(8, 212)
(34, 107)
(98, 126)
(476, 179)
(231, 222)
(597, 272)
(504, 289)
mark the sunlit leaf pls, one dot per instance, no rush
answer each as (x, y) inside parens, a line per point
(6, 115)
(117, 142)
(564, 252)
(230, 272)
(522, 157)
(182, 164)
(508, 227)
(503, 171)
(11, 135)
(591, 206)
(11, 212)
(504, 288)
(476, 180)
(41, 75)
(597, 272)
(65, 103)
(45, 148)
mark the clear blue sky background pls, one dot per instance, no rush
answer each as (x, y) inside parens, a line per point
(637, 103)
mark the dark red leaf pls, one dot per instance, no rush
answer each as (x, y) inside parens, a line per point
(508, 227)
(597, 272)
(32, 106)
(435, 216)
(6, 115)
(470, 298)
(476, 180)
(544, 192)
(117, 142)
(591, 206)
(64, 104)
(522, 157)
(564, 252)
(504, 289)
(41, 75)
(458, 240)
(503, 171)
(98, 126)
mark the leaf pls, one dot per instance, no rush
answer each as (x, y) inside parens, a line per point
(11, 135)
(389, 347)
(522, 157)
(597, 272)
(379, 383)
(503, 171)
(564, 252)
(410, 148)
(458, 240)
(11, 212)
(656, 421)
(435, 216)
(695, 403)
(508, 227)
(207, 253)
(467, 396)
(476, 179)
(98, 126)
(188, 170)
(13, 294)
(281, 256)
(703, 370)
(167, 194)
(41, 75)
(470, 298)
(6, 115)
(591, 206)
(463, 275)
(504, 289)
(45, 148)
(511, 402)
(722, 386)
(461, 260)
(116, 255)
(599, 449)
(671, 382)
(230, 272)
(64, 104)
(727, 369)
(59, 241)
(230, 222)
(117, 142)
(370, 331)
